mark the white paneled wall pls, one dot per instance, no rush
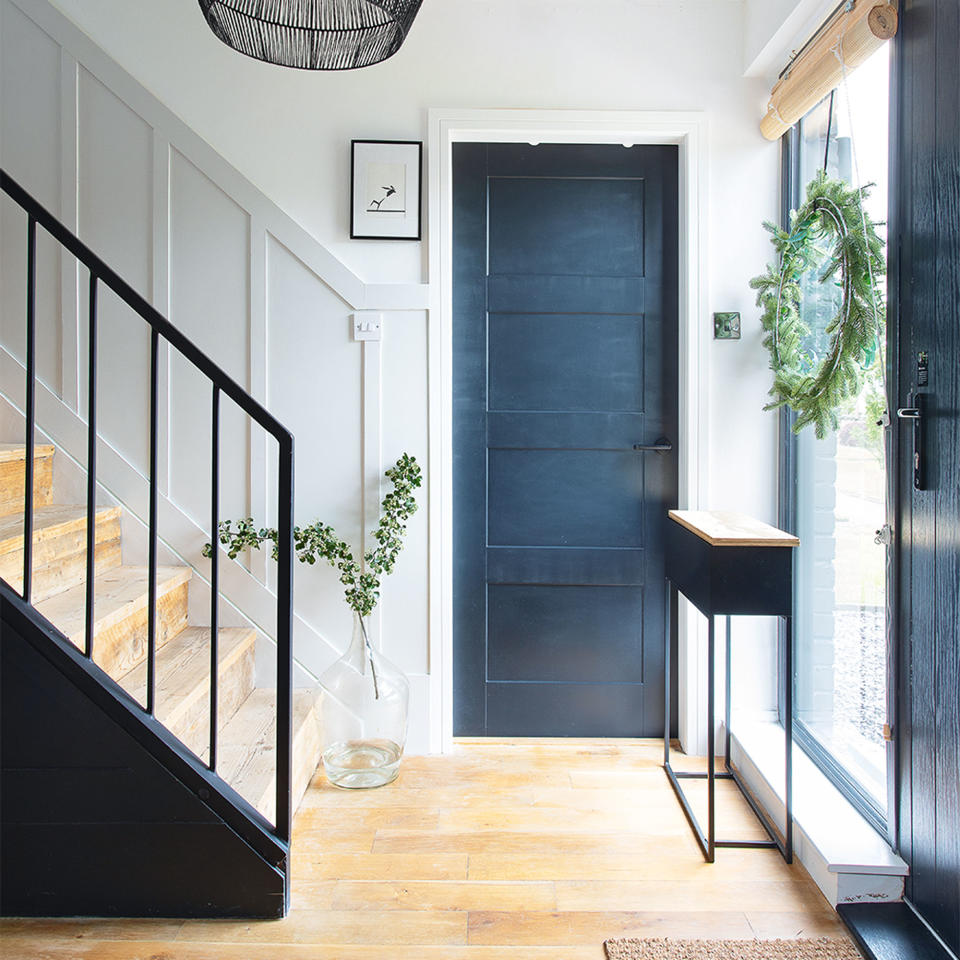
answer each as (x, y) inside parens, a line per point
(281, 325)
(404, 425)
(252, 290)
(115, 218)
(313, 386)
(210, 269)
(31, 144)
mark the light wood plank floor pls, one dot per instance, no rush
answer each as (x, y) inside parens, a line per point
(529, 849)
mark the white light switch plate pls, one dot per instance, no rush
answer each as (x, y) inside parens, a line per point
(366, 324)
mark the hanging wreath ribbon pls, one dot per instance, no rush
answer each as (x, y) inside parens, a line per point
(832, 234)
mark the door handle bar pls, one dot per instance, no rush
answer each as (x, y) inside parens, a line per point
(916, 415)
(660, 445)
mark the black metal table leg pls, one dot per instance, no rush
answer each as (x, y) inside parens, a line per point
(788, 740)
(673, 777)
(668, 680)
(711, 746)
(707, 840)
(729, 564)
(728, 685)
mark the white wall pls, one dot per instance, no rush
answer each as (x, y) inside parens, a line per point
(244, 283)
(772, 29)
(289, 133)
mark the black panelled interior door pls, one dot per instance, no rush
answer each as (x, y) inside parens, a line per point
(565, 358)
(926, 275)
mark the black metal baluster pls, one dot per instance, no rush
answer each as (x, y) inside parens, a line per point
(284, 811)
(30, 407)
(152, 530)
(214, 572)
(91, 459)
(102, 274)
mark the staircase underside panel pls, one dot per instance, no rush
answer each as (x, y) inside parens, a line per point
(93, 823)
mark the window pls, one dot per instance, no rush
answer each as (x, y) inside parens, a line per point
(834, 490)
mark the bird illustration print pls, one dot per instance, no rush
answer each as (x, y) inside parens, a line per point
(387, 193)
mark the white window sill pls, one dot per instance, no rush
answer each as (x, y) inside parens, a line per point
(847, 858)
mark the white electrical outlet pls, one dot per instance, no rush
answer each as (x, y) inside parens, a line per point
(366, 324)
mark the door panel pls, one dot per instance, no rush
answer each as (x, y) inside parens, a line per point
(546, 362)
(539, 632)
(564, 710)
(542, 498)
(575, 294)
(926, 273)
(565, 333)
(617, 568)
(524, 212)
(576, 431)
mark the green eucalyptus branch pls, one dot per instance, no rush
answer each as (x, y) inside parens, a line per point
(320, 542)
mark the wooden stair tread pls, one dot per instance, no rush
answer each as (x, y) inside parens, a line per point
(10, 452)
(59, 547)
(117, 593)
(183, 671)
(48, 523)
(247, 718)
(13, 477)
(248, 747)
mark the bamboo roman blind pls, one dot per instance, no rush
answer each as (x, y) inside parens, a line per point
(855, 30)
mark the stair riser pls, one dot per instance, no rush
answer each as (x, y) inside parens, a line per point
(306, 758)
(120, 641)
(307, 750)
(123, 644)
(13, 484)
(61, 562)
(192, 726)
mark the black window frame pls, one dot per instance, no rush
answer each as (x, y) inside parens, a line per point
(790, 199)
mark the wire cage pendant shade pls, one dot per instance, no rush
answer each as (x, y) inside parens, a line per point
(312, 34)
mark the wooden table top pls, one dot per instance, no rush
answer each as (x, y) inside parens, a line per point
(728, 528)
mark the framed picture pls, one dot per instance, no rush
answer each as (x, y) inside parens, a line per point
(385, 189)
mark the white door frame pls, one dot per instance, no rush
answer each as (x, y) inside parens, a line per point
(446, 126)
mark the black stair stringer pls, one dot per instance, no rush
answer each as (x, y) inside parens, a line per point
(103, 812)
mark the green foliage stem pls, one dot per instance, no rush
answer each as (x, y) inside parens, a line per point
(320, 542)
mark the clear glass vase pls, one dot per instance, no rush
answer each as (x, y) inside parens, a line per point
(363, 714)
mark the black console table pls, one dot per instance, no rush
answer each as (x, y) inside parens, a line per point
(729, 564)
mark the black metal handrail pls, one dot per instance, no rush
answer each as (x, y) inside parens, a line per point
(222, 383)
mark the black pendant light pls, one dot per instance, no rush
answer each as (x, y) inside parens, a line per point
(313, 34)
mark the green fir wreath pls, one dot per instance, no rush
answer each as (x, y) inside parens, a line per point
(832, 234)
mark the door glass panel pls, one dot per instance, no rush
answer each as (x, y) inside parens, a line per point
(841, 484)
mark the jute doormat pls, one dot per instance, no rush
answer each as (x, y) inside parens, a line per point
(628, 948)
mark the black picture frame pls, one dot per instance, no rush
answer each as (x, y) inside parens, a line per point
(386, 189)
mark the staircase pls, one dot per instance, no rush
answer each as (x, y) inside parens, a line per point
(142, 771)
(246, 714)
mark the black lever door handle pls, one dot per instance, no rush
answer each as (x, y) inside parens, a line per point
(919, 459)
(660, 445)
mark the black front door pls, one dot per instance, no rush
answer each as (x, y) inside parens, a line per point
(565, 358)
(926, 275)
